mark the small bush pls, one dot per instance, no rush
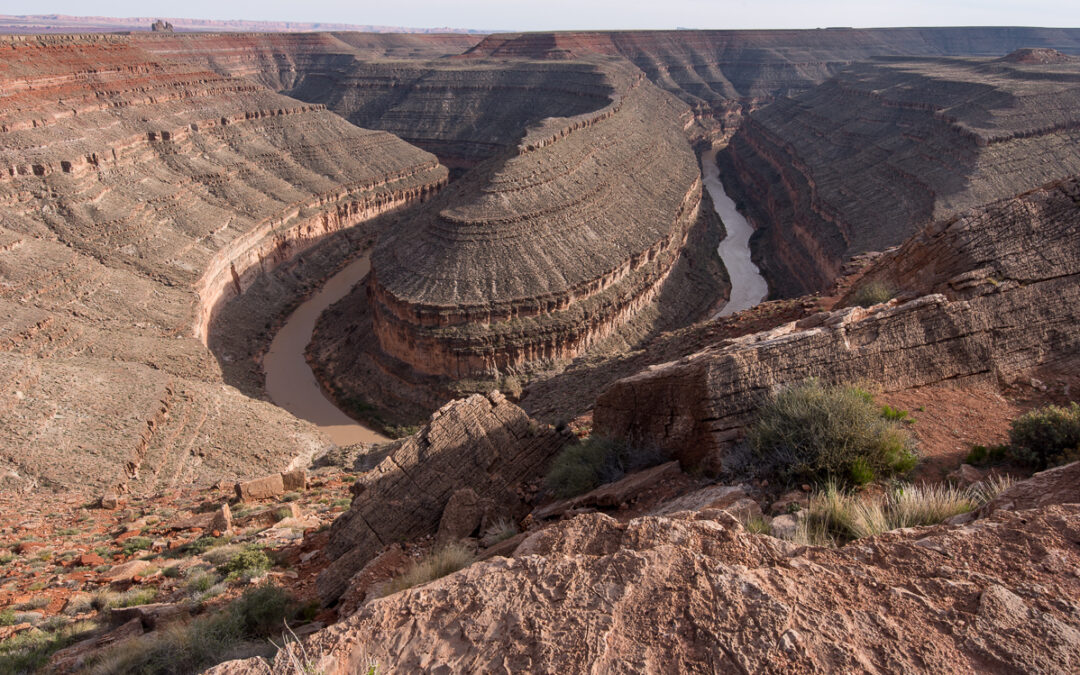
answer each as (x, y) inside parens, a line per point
(981, 455)
(5, 558)
(500, 530)
(136, 596)
(757, 525)
(435, 565)
(895, 414)
(33, 603)
(201, 581)
(30, 650)
(7, 617)
(136, 544)
(1046, 436)
(171, 572)
(821, 433)
(249, 563)
(872, 293)
(594, 461)
(203, 642)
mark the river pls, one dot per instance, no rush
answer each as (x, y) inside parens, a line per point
(291, 384)
(289, 380)
(748, 287)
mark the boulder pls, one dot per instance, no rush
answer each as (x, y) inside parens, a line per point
(126, 571)
(73, 659)
(784, 526)
(152, 616)
(485, 443)
(294, 480)
(266, 487)
(611, 495)
(461, 517)
(965, 476)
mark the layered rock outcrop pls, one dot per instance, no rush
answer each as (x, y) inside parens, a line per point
(482, 443)
(863, 160)
(545, 251)
(695, 592)
(136, 195)
(1002, 282)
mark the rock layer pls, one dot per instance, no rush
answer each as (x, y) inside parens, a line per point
(1003, 284)
(136, 195)
(883, 148)
(542, 252)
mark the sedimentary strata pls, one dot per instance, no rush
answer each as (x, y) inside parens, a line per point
(483, 443)
(1001, 284)
(883, 148)
(137, 195)
(540, 253)
(695, 592)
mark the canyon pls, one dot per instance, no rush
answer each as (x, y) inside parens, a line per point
(231, 260)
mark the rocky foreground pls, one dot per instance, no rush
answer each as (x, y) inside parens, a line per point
(696, 592)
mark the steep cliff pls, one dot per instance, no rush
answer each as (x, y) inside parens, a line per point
(1001, 285)
(138, 194)
(883, 148)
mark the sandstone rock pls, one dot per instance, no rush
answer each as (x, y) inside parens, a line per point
(965, 476)
(221, 520)
(378, 570)
(126, 571)
(89, 560)
(711, 497)
(987, 332)
(152, 616)
(109, 501)
(1060, 485)
(743, 603)
(294, 480)
(784, 526)
(484, 443)
(266, 487)
(611, 495)
(14, 629)
(460, 517)
(793, 500)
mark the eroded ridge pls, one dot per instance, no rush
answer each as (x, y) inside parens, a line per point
(861, 161)
(545, 250)
(990, 297)
(136, 194)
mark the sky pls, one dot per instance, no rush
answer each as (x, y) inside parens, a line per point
(588, 14)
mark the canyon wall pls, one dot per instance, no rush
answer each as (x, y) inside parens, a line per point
(996, 293)
(135, 195)
(861, 161)
(538, 254)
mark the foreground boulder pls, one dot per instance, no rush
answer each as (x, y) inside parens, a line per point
(484, 443)
(695, 592)
(1000, 298)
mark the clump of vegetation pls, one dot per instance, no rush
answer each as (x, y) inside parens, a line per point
(593, 462)
(501, 530)
(30, 650)
(435, 565)
(7, 617)
(248, 563)
(757, 524)
(895, 414)
(819, 433)
(201, 581)
(1047, 436)
(136, 544)
(983, 455)
(192, 647)
(836, 516)
(872, 293)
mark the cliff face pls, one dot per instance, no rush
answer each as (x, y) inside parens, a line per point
(1003, 284)
(861, 161)
(137, 194)
(709, 67)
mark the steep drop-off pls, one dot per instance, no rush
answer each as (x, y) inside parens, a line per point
(137, 195)
(995, 297)
(861, 161)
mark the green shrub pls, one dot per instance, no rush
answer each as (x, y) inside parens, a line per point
(435, 565)
(136, 596)
(814, 432)
(7, 617)
(1046, 436)
(135, 544)
(201, 581)
(982, 455)
(192, 647)
(30, 650)
(895, 414)
(247, 563)
(594, 461)
(872, 293)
